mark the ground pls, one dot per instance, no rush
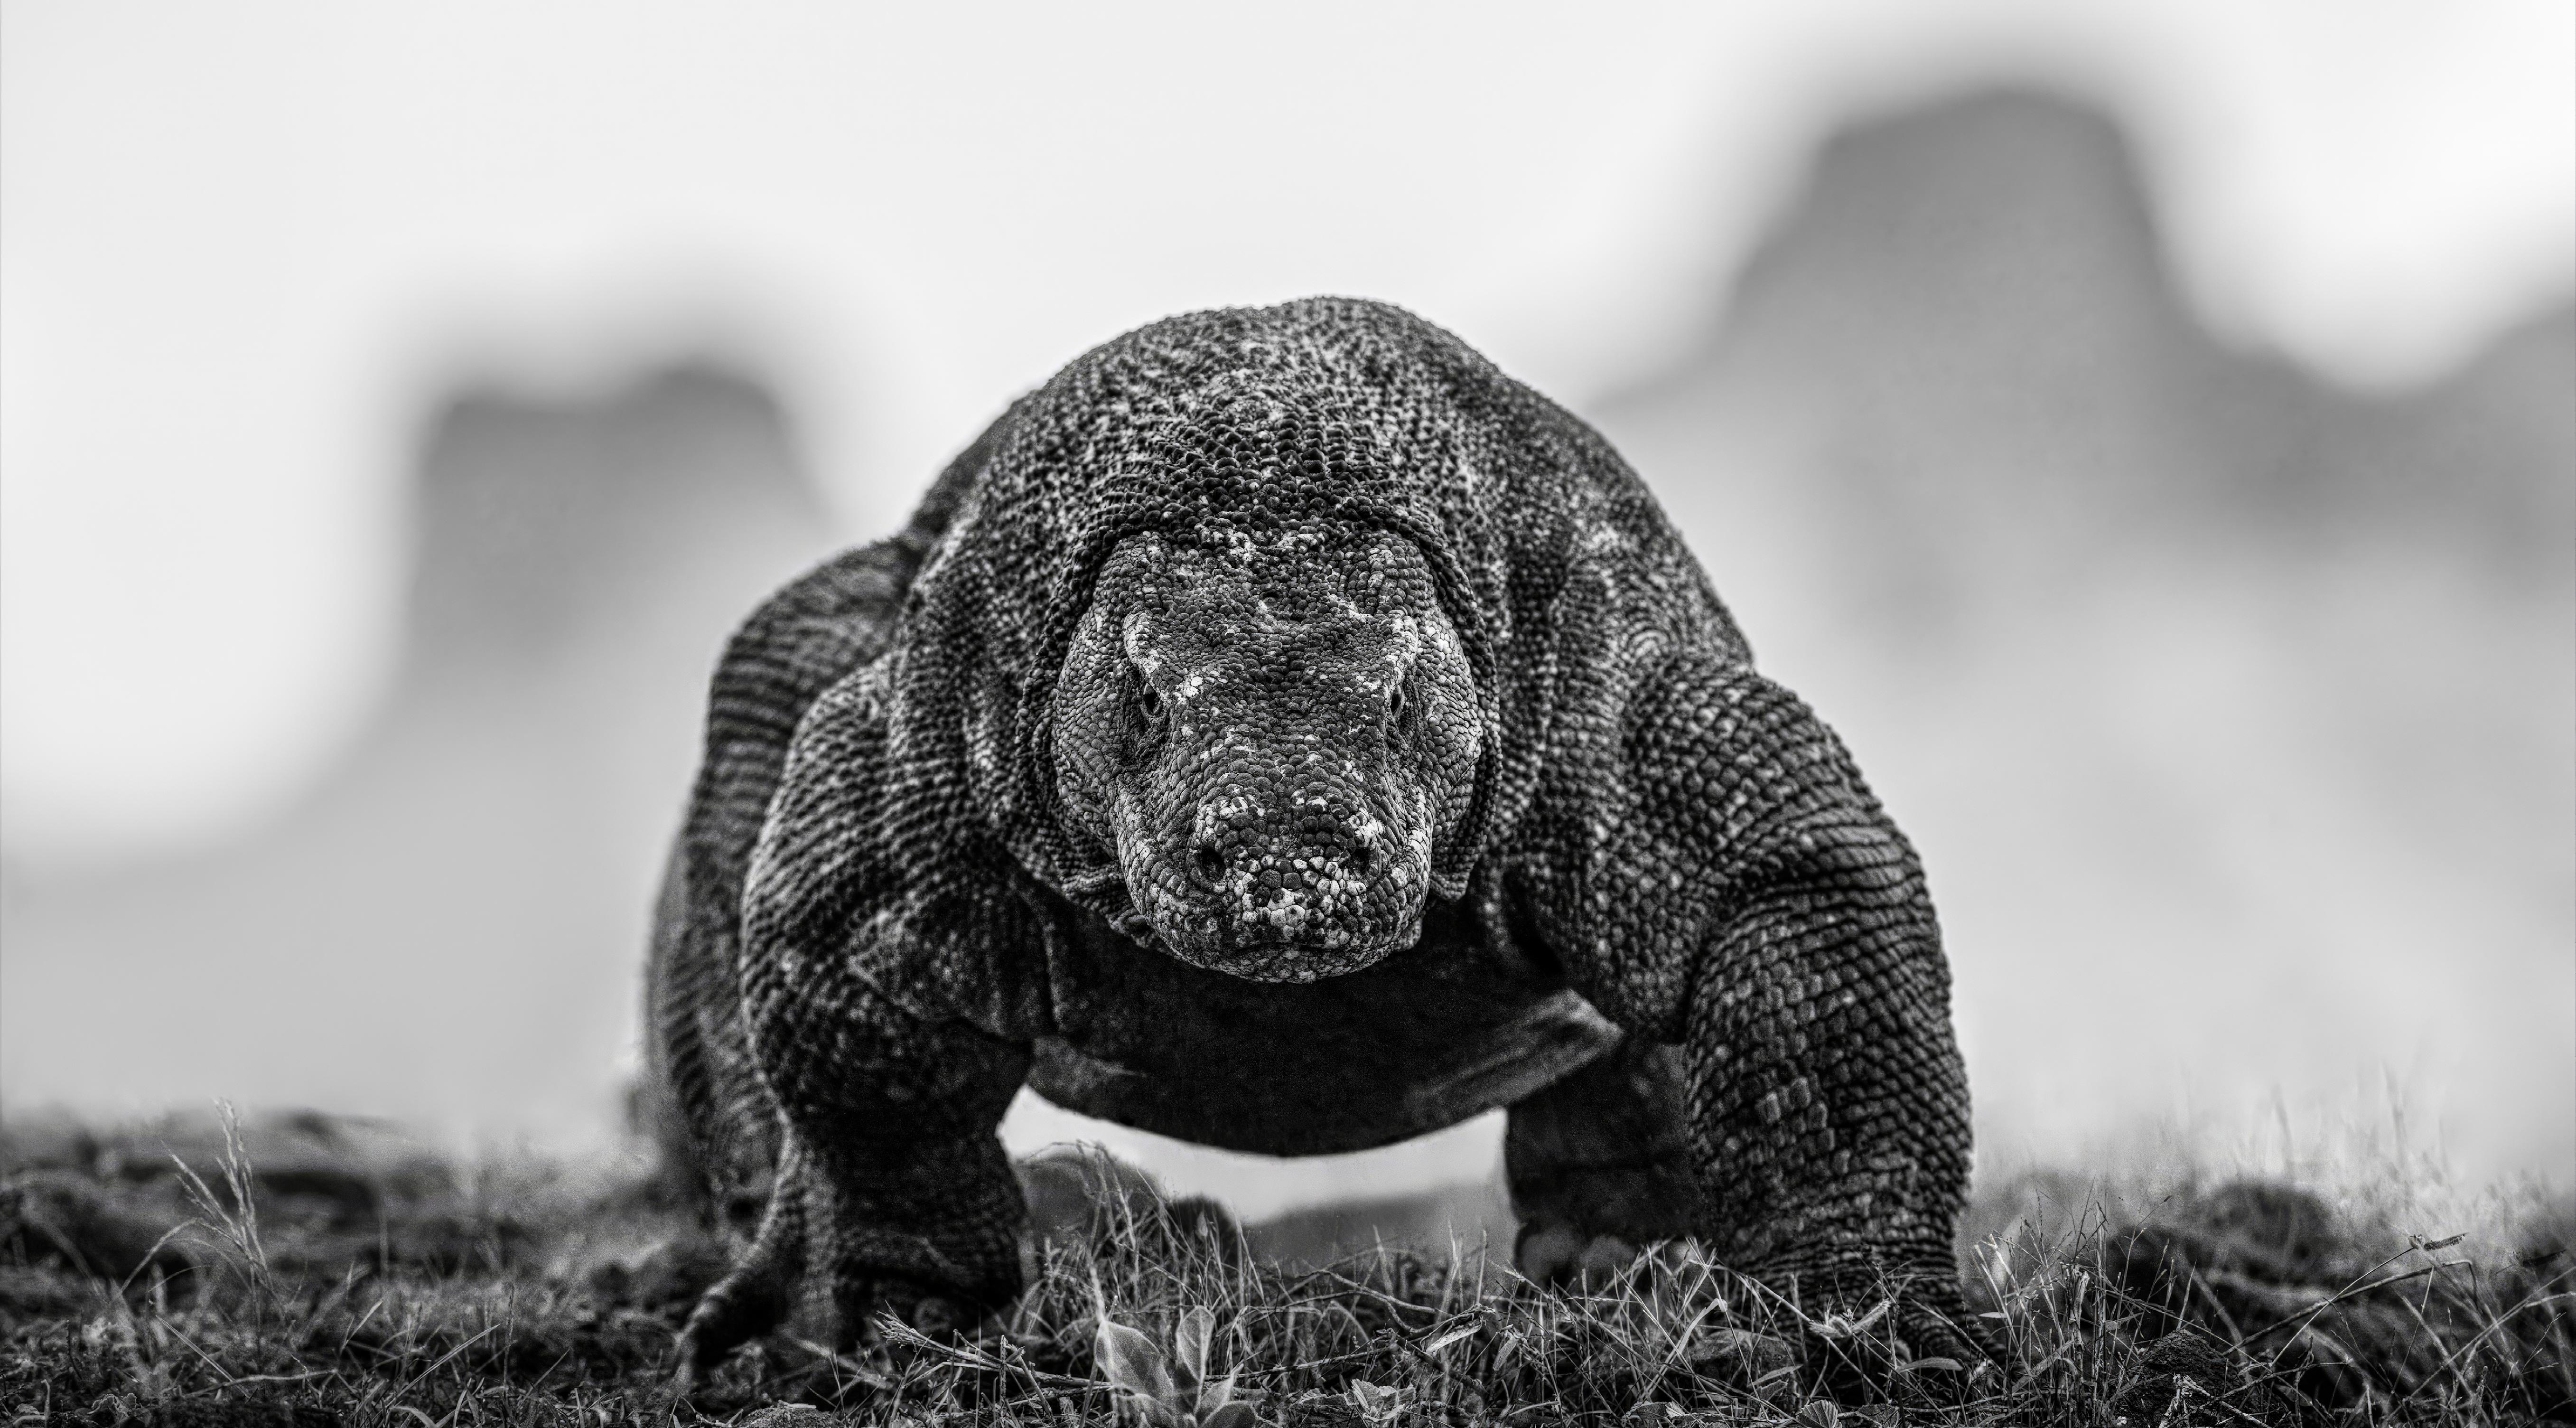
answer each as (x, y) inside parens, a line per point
(310, 1270)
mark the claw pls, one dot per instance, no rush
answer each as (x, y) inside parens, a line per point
(1557, 1255)
(740, 1308)
(939, 1316)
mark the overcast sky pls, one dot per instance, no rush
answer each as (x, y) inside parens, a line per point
(243, 246)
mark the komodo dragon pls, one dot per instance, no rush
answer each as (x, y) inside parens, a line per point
(1285, 732)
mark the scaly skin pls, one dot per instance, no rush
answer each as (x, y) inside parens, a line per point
(1268, 687)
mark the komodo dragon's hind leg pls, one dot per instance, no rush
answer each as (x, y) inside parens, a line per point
(1599, 1165)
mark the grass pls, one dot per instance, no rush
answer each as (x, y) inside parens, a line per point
(315, 1271)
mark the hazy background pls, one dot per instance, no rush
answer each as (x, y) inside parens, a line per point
(2148, 432)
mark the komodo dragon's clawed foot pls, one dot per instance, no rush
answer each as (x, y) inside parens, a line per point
(1599, 1167)
(928, 1312)
(742, 1306)
(759, 1292)
(1558, 1255)
(746, 1305)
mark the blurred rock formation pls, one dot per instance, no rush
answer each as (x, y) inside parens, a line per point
(448, 926)
(2229, 708)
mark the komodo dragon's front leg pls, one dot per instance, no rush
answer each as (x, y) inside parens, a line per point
(1722, 880)
(892, 1184)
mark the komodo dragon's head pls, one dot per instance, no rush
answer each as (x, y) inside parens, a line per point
(1274, 745)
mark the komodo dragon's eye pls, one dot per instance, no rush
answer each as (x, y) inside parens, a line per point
(1149, 702)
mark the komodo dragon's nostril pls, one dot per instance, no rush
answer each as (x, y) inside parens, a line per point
(1207, 861)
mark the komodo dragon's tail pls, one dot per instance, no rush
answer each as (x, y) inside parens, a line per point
(706, 1112)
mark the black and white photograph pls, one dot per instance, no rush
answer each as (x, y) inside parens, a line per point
(1426, 715)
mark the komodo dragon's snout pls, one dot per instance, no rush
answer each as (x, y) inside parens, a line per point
(1272, 752)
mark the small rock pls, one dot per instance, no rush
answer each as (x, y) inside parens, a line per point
(787, 1415)
(2176, 1365)
(1323, 1410)
(36, 1292)
(666, 1274)
(1740, 1354)
(247, 1411)
(61, 1217)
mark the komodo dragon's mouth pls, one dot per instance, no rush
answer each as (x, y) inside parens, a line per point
(1286, 961)
(1295, 914)
(1333, 893)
